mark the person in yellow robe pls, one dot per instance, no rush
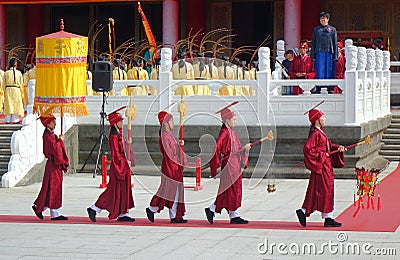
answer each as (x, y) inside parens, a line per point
(32, 71)
(1, 90)
(238, 75)
(246, 89)
(13, 95)
(155, 70)
(89, 76)
(226, 72)
(212, 69)
(25, 78)
(200, 70)
(136, 73)
(253, 75)
(118, 73)
(183, 70)
(31, 76)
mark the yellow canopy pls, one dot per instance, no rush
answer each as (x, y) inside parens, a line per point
(61, 59)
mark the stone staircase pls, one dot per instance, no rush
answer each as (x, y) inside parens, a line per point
(6, 132)
(391, 140)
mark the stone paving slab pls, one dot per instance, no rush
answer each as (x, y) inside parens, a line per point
(90, 241)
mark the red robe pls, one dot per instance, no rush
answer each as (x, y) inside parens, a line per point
(301, 65)
(50, 194)
(231, 159)
(339, 70)
(171, 176)
(320, 190)
(115, 198)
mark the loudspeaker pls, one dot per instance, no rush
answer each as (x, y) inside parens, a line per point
(102, 76)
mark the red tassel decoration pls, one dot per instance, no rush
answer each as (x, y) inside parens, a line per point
(379, 202)
(361, 202)
(372, 204)
(354, 199)
(355, 213)
(369, 202)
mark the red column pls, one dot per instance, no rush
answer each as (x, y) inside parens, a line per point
(34, 16)
(170, 21)
(310, 10)
(3, 62)
(195, 16)
(292, 23)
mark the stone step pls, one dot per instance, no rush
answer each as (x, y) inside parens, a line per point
(395, 120)
(394, 125)
(5, 151)
(391, 141)
(391, 147)
(391, 136)
(392, 131)
(3, 167)
(7, 133)
(395, 115)
(10, 127)
(5, 145)
(5, 139)
(389, 152)
(5, 157)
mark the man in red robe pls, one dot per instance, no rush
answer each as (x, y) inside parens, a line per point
(170, 194)
(317, 158)
(301, 67)
(50, 195)
(117, 198)
(231, 157)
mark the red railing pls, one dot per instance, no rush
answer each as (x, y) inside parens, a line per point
(197, 185)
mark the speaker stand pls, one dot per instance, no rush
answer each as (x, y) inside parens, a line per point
(99, 141)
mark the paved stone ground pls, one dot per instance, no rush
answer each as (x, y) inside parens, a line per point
(93, 241)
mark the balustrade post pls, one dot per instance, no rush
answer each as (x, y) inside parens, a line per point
(387, 76)
(371, 63)
(379, 78)
(350, 91)
(165, 78)
(362, 77)
(263, 81)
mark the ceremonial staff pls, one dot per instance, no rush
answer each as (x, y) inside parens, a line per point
(130, 113)
(111, 36)
(366, 141)
(269, 136)
(182, 109)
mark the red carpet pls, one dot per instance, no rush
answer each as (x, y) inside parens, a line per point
(387, 218)
(192, 223)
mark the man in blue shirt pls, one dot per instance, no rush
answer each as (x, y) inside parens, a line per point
(324, 51)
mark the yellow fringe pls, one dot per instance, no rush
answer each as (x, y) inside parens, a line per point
(62, 110)
(64, 65)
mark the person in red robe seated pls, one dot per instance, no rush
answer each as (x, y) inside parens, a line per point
(317, 158)
(231, 157)
(117, 198)
(340, 66)
(170, 194)
(50, 195)
(301, 67)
